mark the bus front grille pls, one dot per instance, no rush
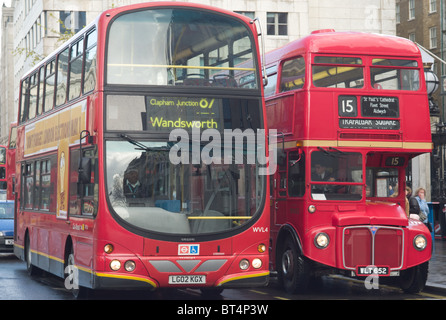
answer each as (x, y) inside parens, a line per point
(373, 245)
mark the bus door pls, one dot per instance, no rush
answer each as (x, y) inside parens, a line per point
(296, 186)
(288, 187)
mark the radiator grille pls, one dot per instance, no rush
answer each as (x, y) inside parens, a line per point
(373, 245)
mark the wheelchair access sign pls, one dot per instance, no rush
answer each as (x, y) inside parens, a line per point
(188, 249)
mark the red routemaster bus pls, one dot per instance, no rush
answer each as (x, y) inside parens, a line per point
(351, 111)
(3, 181)
(115, 190)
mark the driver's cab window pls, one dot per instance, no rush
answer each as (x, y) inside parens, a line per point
(336, 175)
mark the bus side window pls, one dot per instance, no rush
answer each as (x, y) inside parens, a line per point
(41, 90)
(33, 90)
(83, 197)
(50, 76)
(24, 107)
(89, 75)
(270, 88)
(293, 75)
(76, 55)
(62, 77)
(296, 174)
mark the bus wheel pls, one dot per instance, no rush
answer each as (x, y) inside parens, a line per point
(294, 269)
(72, 278)
(414, 279)
(32, 269)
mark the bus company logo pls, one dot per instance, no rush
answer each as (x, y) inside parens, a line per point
(188, 249)
(373, 229)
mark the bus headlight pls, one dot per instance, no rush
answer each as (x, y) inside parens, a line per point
(321, 240)
(129, 265)
(420, 242)
(256, 263)
(312, 208)
(244, 264)
(115, 265)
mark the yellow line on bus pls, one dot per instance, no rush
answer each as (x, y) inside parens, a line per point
(219, 218)
(177, 67)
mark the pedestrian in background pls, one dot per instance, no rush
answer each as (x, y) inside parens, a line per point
(420, 195)
(407, 197)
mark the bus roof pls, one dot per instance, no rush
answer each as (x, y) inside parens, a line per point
(352, 43)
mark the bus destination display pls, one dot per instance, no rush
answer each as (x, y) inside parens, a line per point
(168, 113)
(371, 107)
(385, 107)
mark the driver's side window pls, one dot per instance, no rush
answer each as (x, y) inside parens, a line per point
(296, 174)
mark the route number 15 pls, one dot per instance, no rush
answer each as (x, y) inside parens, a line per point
(347, 106)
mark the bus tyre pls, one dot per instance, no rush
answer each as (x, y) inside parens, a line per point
(32, 269)
(294, 269)
(414, 279)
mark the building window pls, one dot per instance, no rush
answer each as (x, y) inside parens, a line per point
(277, 23)
(411, 9)
(72, 21)
(412, 36)
(433, 37)
(397, 13)
(432, 6)
(249, 14)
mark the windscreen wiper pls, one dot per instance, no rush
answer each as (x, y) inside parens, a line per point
(141, 146)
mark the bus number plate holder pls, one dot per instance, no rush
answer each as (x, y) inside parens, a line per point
(372, 271)
(187, 279)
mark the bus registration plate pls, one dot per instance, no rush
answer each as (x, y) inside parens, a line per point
(372, 271)
(187, 279)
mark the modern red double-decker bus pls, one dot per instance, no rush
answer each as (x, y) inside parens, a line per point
(122, 183)
(351, 111)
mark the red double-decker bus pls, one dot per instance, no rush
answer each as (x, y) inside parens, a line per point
(121, 184)
(351, 111)
(3, 180)
(10, 162)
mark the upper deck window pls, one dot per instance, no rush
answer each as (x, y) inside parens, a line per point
(293, 74)
(179, 47)
(395, 74)
(338, 72)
